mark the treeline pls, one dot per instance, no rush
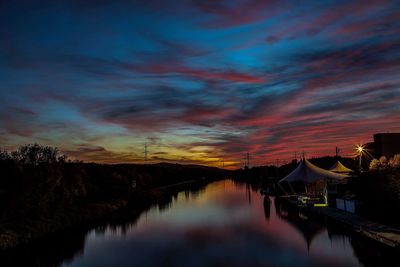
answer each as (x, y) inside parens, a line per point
(36, 180)
(33, 154)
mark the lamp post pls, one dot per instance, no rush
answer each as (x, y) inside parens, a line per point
(360, 150)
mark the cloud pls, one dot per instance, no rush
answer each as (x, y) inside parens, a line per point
(238, 13)
(199, 82)
(90, 153)
(352, 20)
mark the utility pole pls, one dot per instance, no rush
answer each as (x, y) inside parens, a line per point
(248, 160)
(337, 152)
(145, 152)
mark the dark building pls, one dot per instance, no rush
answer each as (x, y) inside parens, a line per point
(370, 148)
(386, 144)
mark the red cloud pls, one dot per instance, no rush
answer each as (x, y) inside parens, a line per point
(300, 26)
(231, 76)
(228, 14)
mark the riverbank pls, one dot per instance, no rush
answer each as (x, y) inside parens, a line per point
(377, 232)
(357, 225)
(18, 232)
(42, 193)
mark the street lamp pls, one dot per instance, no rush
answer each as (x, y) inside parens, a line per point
(360, 151)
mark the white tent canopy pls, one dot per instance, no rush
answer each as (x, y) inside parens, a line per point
(338, 167)
(309, 173)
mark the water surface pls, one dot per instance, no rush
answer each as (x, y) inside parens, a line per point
(221, 224)
(226, 224)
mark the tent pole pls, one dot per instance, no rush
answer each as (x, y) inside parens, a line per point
(284, 191)
(315, 189)
(291, 187)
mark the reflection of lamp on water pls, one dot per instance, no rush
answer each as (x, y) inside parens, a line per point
(360, 150)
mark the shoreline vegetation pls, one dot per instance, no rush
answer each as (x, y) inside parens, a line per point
(14, 234)
(43, 193)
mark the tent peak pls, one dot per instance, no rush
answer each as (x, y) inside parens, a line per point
(309, 173)
(338, 167)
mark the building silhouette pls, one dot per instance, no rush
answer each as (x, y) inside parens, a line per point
(386, 144)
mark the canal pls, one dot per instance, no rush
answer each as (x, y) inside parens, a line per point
(222, 224)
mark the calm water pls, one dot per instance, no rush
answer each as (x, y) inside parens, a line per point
(223, 224)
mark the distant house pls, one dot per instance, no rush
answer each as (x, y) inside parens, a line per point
(386, 144)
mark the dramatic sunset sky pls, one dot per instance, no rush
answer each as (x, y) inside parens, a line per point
(201, 81)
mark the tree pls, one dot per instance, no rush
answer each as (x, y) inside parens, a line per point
(395, 161)
(4, 155)
(383, 163)
(380, 164)
(35, 154)
(374, 165)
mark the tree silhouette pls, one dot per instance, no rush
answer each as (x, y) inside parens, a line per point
(35, 154)
(4, 155)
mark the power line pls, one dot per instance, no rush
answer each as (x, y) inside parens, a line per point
(145, 152)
